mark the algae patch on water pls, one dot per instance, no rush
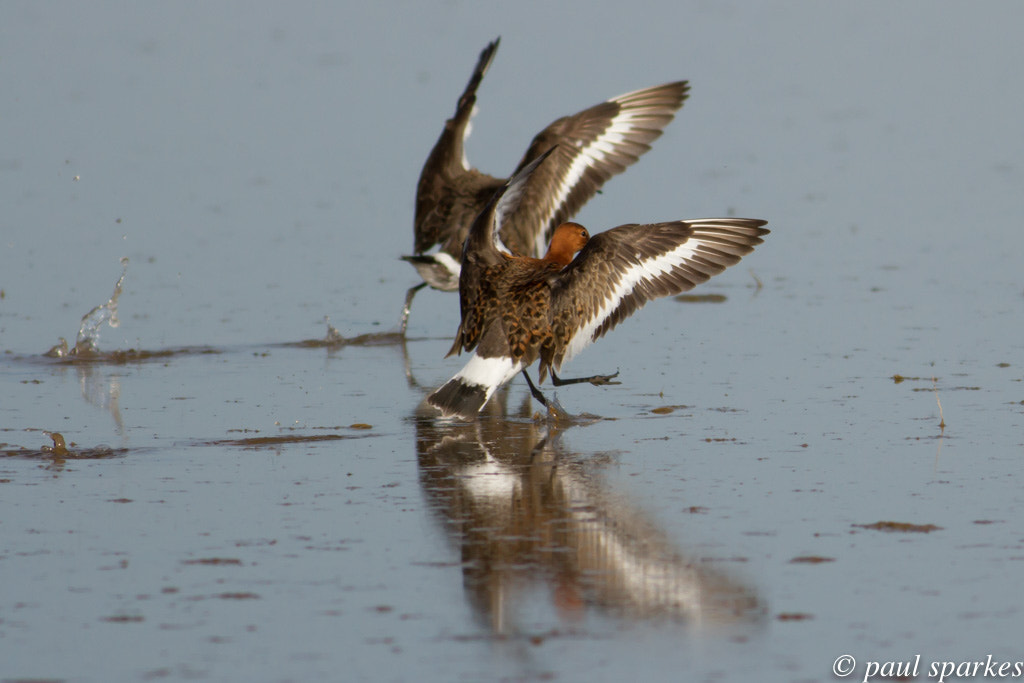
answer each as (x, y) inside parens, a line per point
(901, 527)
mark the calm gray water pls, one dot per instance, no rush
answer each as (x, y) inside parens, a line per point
(235, 504)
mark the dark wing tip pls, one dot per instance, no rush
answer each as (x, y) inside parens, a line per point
(751, 227)
(468, 98)
(731, 238)
(668, 95)
(487, 55)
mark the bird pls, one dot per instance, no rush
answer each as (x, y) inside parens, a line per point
(593, 145)
(517, 310)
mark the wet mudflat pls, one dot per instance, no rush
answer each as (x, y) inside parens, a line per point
(816, 454)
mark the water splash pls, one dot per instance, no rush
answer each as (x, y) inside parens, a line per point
(333, 336)
(87, 342)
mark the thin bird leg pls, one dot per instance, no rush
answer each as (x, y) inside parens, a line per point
(596, 380)
(534, 391)
(408, 304)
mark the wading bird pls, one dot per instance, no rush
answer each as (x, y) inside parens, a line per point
(593, 145)
(517, 310)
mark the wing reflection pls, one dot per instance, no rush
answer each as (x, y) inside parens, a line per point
(526, 515)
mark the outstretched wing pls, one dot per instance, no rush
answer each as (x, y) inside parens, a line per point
(593, 145)
(623, 268)
(447, 160)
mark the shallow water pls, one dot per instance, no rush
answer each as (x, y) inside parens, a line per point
(243, 496)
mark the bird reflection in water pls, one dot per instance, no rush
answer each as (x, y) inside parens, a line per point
(525, 514)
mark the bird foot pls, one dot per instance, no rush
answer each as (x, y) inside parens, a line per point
(596, 380)
(601, 380)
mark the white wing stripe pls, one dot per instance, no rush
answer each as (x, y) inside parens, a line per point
(465, 136)
(609, 143)
(641, 271)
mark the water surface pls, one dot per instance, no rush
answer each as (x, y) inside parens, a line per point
(242, 495)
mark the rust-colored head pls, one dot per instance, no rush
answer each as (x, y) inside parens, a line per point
(568, 239)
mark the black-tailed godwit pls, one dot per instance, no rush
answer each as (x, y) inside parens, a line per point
(517, 309)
